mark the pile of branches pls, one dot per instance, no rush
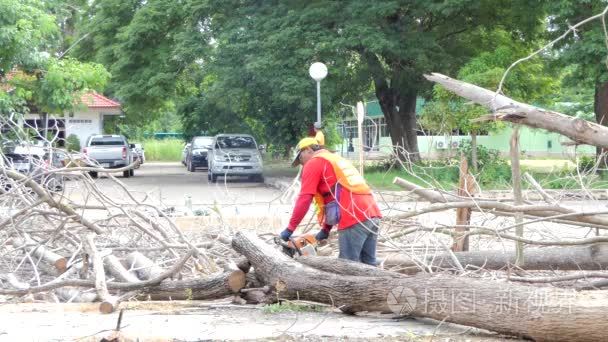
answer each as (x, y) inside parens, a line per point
(103, 249)
(126, 249)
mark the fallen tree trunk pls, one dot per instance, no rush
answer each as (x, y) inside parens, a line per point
(539, 313)
(220, 286)
(570, 258)
(345, 267)
(506, 109)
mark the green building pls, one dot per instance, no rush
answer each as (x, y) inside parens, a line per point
(376, 138)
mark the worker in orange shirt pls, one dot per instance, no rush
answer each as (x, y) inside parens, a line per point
(342, 197)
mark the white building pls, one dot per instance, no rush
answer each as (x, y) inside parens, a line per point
(86, 119)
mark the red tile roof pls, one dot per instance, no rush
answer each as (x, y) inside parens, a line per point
(94, 100)
(91, 99)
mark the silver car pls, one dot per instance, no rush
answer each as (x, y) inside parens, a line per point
(235, 155)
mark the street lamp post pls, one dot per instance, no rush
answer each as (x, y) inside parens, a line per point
(318, 71)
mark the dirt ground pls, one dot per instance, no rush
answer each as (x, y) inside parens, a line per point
(196, 321)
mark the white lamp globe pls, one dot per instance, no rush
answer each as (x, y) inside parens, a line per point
(317, 71)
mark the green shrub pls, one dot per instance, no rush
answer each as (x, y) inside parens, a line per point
(73, 143)
(163, 150)
(491, 167)
(586, 164)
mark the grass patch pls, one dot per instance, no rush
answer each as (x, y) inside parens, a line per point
(163, 150)
(448, 180)
(286, 306)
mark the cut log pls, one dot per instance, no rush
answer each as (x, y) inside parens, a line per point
(244, 265)
(220, 286)
(75, 295)
(542, 314)
(108, 302)
(571, 258)
(260, 295)
(49, 257)
(506, 109)
(117, 270)
(144, 267)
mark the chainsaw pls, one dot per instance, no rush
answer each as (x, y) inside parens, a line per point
(303, 245)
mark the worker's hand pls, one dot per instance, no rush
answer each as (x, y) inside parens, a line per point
(286, 234)
(322, 235)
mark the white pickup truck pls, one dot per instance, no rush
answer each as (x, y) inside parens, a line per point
(109, 152)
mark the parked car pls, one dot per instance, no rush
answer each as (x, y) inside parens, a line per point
(185, 153)
(34, 161)
(235, 155)
(139, 154)
(197, 153)
(109, 152)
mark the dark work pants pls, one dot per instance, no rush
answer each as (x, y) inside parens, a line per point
(358, 242)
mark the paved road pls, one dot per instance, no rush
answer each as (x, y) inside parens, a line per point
(171, 183)
(241, 203)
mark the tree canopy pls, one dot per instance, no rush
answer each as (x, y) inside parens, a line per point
(32, 75)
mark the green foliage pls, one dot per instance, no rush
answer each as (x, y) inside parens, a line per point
(584, 52)
(65, 80)
(25, 32)
(492, 168)
(586, 164)
(231, 65)
(28, 36)
(73, 143)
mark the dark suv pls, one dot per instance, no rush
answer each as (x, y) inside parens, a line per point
(197, 153)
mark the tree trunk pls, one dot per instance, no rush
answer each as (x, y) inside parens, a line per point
(542, 314)
(397, 99)
(600, 106)
(571, 258)
(506, 109)
(400, 114)
(219, 286)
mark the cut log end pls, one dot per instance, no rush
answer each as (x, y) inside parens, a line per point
(236, 281)
(61, 265)
(108, 305)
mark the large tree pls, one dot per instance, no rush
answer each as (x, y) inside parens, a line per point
(585, 51)
(146, 45)
(267, 45)
(32, 75)
(258, 52)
